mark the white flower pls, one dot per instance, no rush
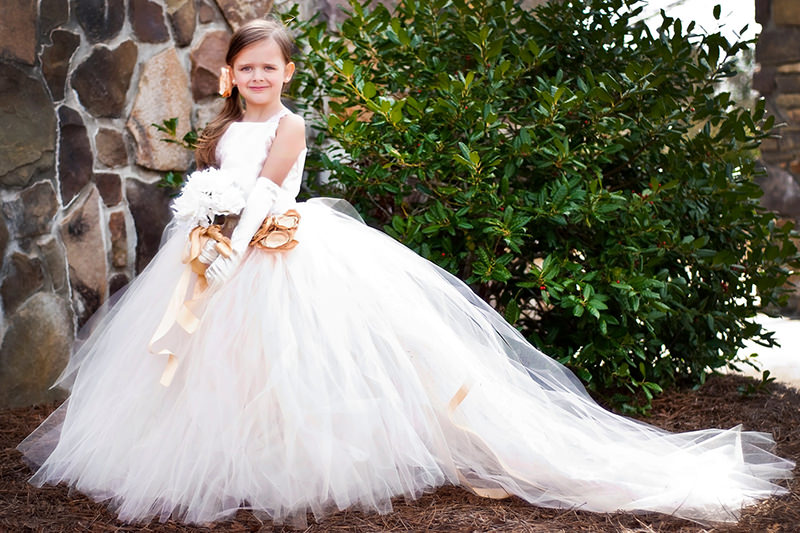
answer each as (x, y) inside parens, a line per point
(208, 193)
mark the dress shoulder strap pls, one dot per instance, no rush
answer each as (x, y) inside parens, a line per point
(276, 118)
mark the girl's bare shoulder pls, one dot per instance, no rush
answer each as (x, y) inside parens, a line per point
(292, 126)
(292, 121)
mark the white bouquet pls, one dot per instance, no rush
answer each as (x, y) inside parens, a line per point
(208, 193)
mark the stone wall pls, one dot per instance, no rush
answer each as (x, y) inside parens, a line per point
(778, 80)
(81, 82)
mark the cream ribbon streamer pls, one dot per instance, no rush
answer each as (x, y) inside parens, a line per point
(491, 493)
(181, 310)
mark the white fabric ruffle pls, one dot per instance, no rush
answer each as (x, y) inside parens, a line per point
(349, 371)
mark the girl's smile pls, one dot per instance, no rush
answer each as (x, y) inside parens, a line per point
(259, 72)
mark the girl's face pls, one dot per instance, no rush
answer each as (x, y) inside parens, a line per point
(259, 72)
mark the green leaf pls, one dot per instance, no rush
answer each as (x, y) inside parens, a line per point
(348, 67)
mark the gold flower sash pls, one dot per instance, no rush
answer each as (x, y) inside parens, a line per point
(277, 232)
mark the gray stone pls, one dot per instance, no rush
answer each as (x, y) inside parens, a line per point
(149, 205)
(764, 80)
(52, 14)
(117, 282)
(788, 142)
(163, 92)
(776, 158)
(27, 137)
(102, 80)
(55, 61)
(781, 193)
(75, 160)
(110, 147)
(183, 18)
(207, 59)
(329, 11)
(237, 12)
(24, 279)
(788, 83)
(782, 196)
(55, 263)
(3, 241)
(778, 45)
(18, 30)
(82, 236)
(147, 19)
(205, 12)
(119, 239)
(100, 19)
(762, 11)
(32, 213)
(204, 114)
(110, 187)
(788, 100)
(35, 350)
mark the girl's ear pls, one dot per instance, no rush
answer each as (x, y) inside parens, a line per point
(289, 72)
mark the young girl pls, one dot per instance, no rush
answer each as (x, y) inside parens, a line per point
(310, 363)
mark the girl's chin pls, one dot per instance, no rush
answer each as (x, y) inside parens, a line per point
(260, 97)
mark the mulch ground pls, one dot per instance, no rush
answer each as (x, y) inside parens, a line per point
(719, 403)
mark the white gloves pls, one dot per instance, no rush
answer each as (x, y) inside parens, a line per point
(209, 252)
(263, 196)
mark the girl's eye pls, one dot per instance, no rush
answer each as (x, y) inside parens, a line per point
(245, 69)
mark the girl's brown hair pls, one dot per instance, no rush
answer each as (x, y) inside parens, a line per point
(250, 33)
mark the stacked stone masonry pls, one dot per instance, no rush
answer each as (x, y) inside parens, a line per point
(777, 79)
(81, 82)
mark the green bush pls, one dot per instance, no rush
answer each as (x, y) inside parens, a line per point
(581, 173)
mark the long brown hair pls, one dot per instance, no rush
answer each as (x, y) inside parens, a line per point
(250, 33)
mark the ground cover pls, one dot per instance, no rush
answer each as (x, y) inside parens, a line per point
(719, 403)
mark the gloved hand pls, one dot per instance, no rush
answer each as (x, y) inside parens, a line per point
(264, 194)
(209, 252)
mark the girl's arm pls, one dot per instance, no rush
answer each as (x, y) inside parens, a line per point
(290, 140)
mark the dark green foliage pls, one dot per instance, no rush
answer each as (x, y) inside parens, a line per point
(580, 173)
(169, 127)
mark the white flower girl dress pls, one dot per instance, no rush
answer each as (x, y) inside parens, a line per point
(345, 372)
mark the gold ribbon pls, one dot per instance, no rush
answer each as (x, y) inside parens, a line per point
(181, 310)
(198, 238)
(277, 232)
(452, 405)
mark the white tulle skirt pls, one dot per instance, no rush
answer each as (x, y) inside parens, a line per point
(344, 373)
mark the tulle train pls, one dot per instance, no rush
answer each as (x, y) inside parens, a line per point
(344, 373)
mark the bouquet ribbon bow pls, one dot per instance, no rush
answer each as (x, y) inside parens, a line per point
(183, 311)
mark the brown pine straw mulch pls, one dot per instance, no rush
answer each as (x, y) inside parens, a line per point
(718, 403)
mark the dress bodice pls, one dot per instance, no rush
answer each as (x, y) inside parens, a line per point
(244, 146)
